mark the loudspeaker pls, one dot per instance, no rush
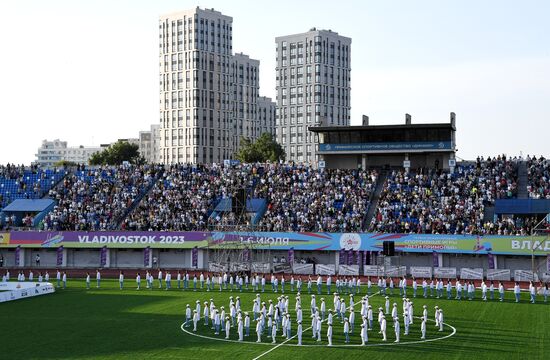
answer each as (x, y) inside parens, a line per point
(239, 201)
(388, 248)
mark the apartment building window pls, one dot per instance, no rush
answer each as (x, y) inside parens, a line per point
(180, 118)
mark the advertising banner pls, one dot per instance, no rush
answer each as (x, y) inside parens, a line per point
(524, 275)
(238, 267)
(348, 270)
(386, 146)
(445, 273)
(421, 272)
(343, 242)
(321, 269)
(396, 271)
(373, 270)
(291, 255)
(282, 268)
(435, 259)
(19, 290)
(216, 267)
(260, 267)
(471, 273)
(302, 269)
(498, 274)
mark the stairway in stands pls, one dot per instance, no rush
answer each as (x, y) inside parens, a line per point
(489, 214)
(117, 224)
(375, 198)
(522, 180)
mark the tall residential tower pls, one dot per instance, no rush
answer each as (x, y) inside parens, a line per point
(208, 96)
(313, 88)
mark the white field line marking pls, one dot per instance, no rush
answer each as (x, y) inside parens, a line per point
(334, 346)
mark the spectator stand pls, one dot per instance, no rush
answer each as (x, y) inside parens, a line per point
(25, 213)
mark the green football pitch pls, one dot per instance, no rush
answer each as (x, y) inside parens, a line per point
(108, 323)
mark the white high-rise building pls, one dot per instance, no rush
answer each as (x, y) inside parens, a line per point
(149, 142)
(54, 151)
(246, 86)
(266, 115)
(195, 55)
(208, 96)
(313, 89)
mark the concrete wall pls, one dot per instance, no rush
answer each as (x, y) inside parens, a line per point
(342, 161)
(84, 257)
(130, 258)
(173, 258)
(9, 257)
(48, 257)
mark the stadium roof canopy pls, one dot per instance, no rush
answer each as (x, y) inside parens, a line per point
(27, 205)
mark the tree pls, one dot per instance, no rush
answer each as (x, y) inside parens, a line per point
(65, 163)
(116, 154)
(265, 148)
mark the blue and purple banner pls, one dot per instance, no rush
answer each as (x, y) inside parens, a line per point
(103, 256)
(491, 261)
(17, 255)
(386, 146)
(59, 261)
(342, 257)
(350, 257)
(195, 257)
(291, 255)
(412, 243)
(147, 256)
(435, 259)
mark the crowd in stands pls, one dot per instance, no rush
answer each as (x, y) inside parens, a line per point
(180, 200)
(513, 225)
(297, 197)
(538, 175)
(21, 182)
(304, 199)
(438, 202)
(96, 198)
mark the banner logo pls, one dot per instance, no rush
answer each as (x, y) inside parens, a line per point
(350, 241)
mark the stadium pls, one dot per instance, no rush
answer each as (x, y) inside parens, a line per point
(210, 232)
(244, 228)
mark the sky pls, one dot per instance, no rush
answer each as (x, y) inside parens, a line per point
(87, 71)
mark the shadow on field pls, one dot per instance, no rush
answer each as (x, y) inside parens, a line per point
(75, 326)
